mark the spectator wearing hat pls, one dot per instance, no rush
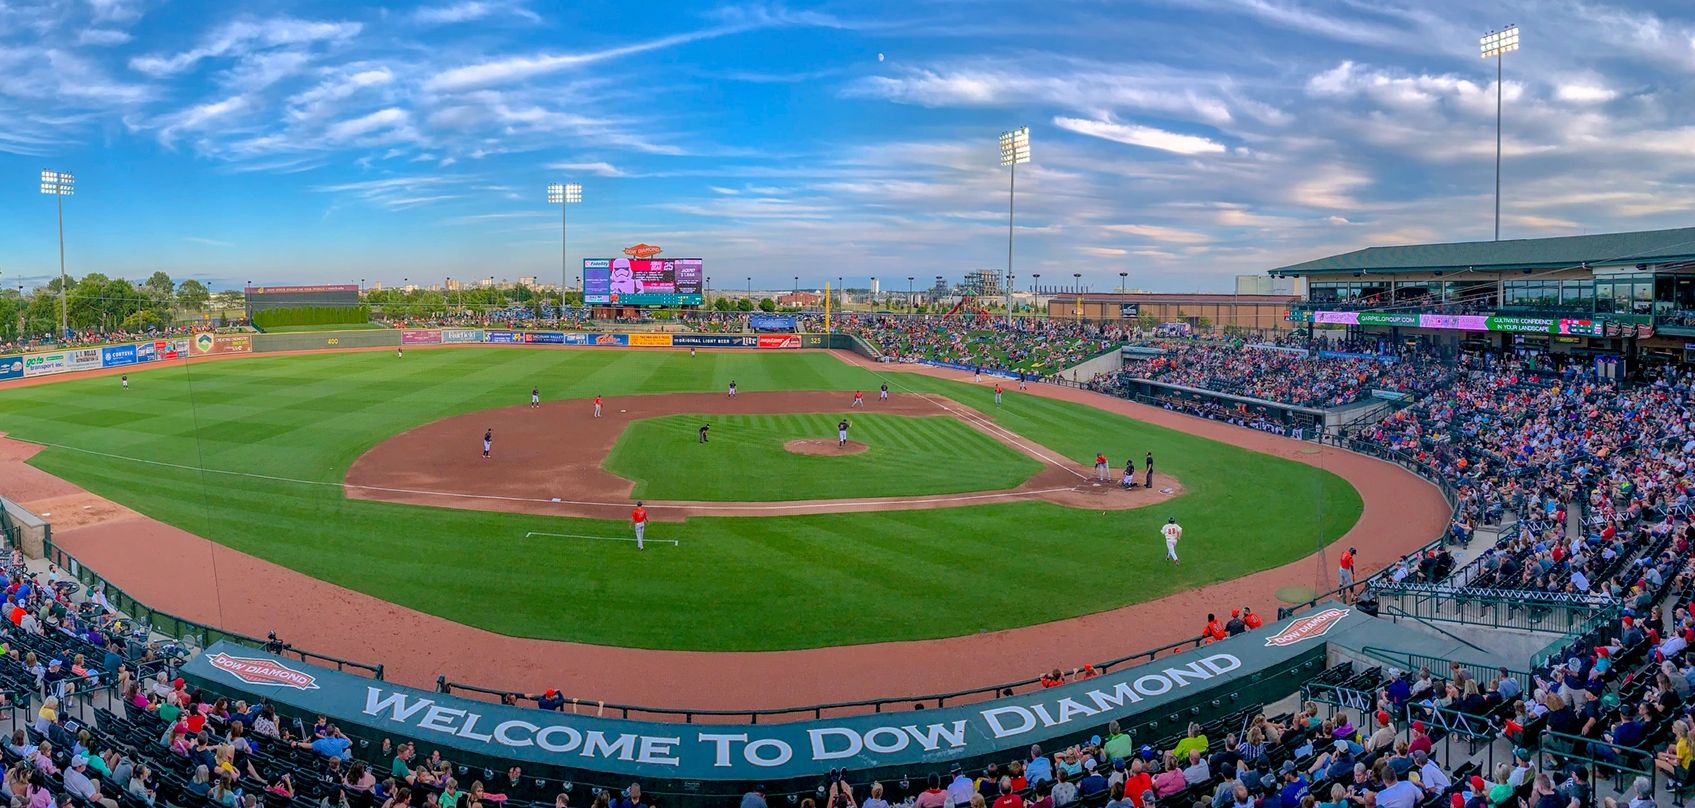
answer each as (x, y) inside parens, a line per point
(1435, 780)
(1093, 781)
(1234, 625)
(77, 781)
(1294, 786)
(960, 788)
(551, 700)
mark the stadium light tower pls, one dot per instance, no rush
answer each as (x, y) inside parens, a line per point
(564, 195)
(1015, 149)
(1498, 44)
(60, 184)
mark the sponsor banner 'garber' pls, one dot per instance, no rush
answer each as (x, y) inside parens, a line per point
(1306, 628)
(264, 672)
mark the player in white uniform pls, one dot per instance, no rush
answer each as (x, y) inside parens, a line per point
(1172, 532)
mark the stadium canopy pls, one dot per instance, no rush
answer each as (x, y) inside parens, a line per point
(1606, 249)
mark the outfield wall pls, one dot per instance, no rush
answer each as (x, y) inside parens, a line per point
(77, 360)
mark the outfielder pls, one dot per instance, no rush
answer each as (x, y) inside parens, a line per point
(997, 394)
(126, 381)
(638, 520)
(1172, 532)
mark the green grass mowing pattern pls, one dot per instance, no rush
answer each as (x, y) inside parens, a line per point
(734, 583)
(905, 456)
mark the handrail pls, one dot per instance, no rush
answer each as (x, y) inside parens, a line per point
(819, 710)
(201, 634)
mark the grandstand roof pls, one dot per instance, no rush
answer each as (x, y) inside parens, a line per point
(1195, 298)
(1645, 246)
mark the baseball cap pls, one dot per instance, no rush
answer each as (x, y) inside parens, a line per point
(1418, 726)
(1382, 716)
(551, 692)
(1476, 783)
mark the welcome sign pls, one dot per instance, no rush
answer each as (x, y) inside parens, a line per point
(759, 752)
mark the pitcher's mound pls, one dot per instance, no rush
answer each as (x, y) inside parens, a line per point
(823, 446)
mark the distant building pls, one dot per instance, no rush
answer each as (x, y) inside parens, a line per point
(981, 282)
(376, 286)
(1268, 285)
(454, 285)
(527, 280)
(803, 300)
(876, 288)
(1258, 312)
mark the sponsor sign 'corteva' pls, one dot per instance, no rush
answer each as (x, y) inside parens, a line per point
(263, 672)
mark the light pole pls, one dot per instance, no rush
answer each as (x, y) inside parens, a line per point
(1122, 277)
(1077, 287)
(60, 184)
(1498, 44)
(1036, 284)
(564, 195)
(1015, 149)
(909, 294)
(841, 294)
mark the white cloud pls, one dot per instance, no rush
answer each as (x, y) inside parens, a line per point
(200, 116)
(1585, 93)
(1328, 187)
(103, 36)
(1173, 235)
(1104, 252)
(1087, 88)
(522, 68)
(322, 99)
(470, 10)
(210, 242)
(389, 118)
(245, 36)
(598, 169)
(719, 189)
(1144, 136)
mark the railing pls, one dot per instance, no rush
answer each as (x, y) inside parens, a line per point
(1549, 613)
(815, 711)
(199, 635)
(1597, 756)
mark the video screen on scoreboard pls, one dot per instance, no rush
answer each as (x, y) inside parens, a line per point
(642, 281)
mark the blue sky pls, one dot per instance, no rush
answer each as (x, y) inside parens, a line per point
(1183, 142)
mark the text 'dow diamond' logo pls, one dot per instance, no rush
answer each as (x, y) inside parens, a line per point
(1306, 628)
(263, 672)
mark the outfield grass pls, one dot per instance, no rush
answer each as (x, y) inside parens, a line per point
(289, 329)
(904, 457)
(733, 583)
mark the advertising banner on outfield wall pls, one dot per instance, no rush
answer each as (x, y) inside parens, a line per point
(44, 364)
(209, 344)
(543, 338)
(715, 340)
(420, 337)
(763, 752)
(501, 337)
(458, 335)
(113, 356)
(779, 341)
(650, 340)
(11, 367)
(608, 340)
(82, 359)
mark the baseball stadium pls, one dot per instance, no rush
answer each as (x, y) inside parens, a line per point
(1393, 525)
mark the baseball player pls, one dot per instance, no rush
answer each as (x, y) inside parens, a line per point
(1172, 532)
(1021, 380)
(399, 353)
(638, 520)
(703, 429)
(1345, 574)
(1150, 482)
(997, 394)
(535, 397)
(883, 393)
(488, 441)
(126, 381)
(859, 399)
(1100, 466)
(597, 402)
(1130, 472)
(732, 388)
(691, 353)
(841, 433)
(977, 374)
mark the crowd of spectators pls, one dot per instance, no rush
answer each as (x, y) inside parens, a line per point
(1289, 375)
(93, 336)
(1038, 347)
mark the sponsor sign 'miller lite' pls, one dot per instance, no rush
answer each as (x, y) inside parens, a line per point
(766, 752)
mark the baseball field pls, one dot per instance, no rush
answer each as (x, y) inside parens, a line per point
(255, 454)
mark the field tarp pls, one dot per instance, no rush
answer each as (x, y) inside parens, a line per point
(770, 752)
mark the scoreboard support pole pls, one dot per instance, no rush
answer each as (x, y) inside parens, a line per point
(826, 307)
